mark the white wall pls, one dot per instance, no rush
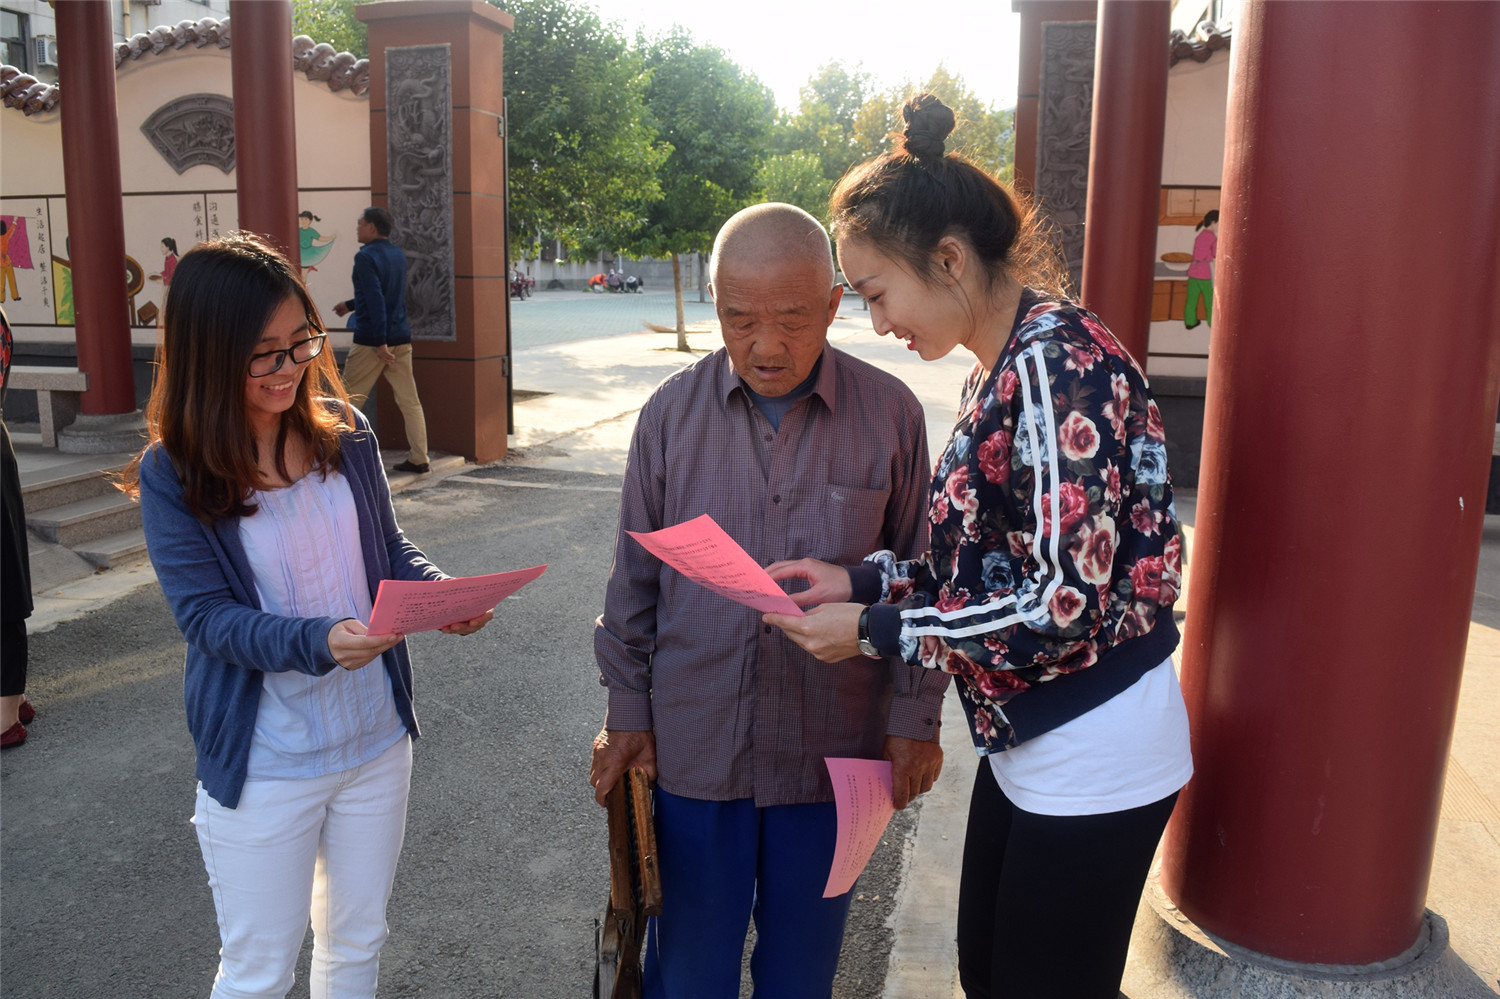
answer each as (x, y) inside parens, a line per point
(1197, 104)
(333, 162)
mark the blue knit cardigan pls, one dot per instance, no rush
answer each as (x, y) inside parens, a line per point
(231, 643)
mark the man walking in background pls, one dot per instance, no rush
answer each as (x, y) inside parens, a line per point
(382, 337)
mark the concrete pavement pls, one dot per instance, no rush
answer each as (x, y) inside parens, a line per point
(575, 409)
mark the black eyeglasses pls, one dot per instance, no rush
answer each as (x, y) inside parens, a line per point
(271, 361)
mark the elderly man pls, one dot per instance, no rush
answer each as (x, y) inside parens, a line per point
(382, 336)
(795, 449)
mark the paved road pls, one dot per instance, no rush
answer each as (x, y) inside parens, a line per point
(504, 866)
(549, 317)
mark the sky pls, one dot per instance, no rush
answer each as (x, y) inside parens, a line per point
(783, 42)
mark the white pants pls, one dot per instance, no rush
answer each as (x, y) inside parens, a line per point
(321, 845)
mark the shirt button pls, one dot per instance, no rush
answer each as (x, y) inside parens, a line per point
(768, 629)
(770, 437)
(775, 499)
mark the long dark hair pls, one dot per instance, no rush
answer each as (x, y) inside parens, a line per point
(904, 202)
(1209, 219)
(222, 295)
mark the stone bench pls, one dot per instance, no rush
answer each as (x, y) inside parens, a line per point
(57, 391)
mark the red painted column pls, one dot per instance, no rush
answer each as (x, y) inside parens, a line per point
(96, 221)
(265, 138)
(1130, 115)
(1351, 395)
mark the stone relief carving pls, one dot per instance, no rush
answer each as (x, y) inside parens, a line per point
(1064, 123)
(197, 128)
(419, 157)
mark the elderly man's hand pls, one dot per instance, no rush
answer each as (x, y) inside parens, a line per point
(915, 766)
(616, 752)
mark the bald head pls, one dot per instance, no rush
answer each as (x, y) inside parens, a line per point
(772, 233)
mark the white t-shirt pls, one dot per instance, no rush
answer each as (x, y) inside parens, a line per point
(303, 546)
(1129, 751)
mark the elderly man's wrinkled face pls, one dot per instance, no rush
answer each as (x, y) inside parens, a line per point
(774, 317)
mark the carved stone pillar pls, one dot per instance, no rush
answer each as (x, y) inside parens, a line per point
(437, 161)
(1035, 14)
(1061, 179)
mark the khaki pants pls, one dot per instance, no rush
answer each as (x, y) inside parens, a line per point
(363, 367)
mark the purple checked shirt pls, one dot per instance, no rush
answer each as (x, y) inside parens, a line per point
(738, 710)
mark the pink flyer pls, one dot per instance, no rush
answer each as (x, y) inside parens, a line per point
(703, 552)
(409, 606)
(862, 794)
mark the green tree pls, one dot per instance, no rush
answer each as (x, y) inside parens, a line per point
(331, 21)
(829, 105)
(717, 119)
(984, 133)
(583, 154)
(797, 179)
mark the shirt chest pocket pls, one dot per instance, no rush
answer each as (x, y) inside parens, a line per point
(839, 524)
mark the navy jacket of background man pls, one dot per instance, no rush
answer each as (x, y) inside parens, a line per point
(380, 295)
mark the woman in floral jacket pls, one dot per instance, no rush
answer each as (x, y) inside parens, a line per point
(1048, 589)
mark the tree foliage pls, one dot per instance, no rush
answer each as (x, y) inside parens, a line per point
(984, 133)
(583, 156)
(331, 21)
(797, 179)
(824, 125)
(716, 118)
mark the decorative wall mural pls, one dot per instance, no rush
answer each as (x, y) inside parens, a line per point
(1065, 113)
(314, 246)
(197, 128)
(1200, 273)
(419, 154)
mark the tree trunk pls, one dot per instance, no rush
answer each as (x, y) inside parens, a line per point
(702, 277)
(682, 343)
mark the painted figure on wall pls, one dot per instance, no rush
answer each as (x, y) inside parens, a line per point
(62, 280)
(1200, 275)
(12, 251)
(315, 245)
(168, 264)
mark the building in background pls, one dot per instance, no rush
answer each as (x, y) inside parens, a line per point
(28, 28)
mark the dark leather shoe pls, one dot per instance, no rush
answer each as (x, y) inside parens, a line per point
(410, 466)
(13, 736)
(27, 712)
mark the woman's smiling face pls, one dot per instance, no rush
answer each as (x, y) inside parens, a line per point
(268, 397)
(926, 315)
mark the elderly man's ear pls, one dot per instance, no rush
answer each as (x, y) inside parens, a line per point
(834, 297)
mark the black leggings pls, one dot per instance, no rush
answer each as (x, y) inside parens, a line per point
(13, 658)
(1047, 902)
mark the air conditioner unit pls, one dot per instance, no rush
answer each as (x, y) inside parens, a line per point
(46, 50)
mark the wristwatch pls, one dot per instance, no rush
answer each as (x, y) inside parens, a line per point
(867, 647)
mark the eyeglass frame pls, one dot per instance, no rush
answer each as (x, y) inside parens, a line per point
(285, 352)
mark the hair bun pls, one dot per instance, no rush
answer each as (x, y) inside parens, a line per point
(928, 123)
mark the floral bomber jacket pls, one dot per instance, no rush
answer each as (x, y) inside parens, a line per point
(1055, 547)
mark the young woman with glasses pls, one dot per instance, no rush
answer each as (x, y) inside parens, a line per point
(270, 526)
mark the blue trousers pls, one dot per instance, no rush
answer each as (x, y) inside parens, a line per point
(724, 862)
